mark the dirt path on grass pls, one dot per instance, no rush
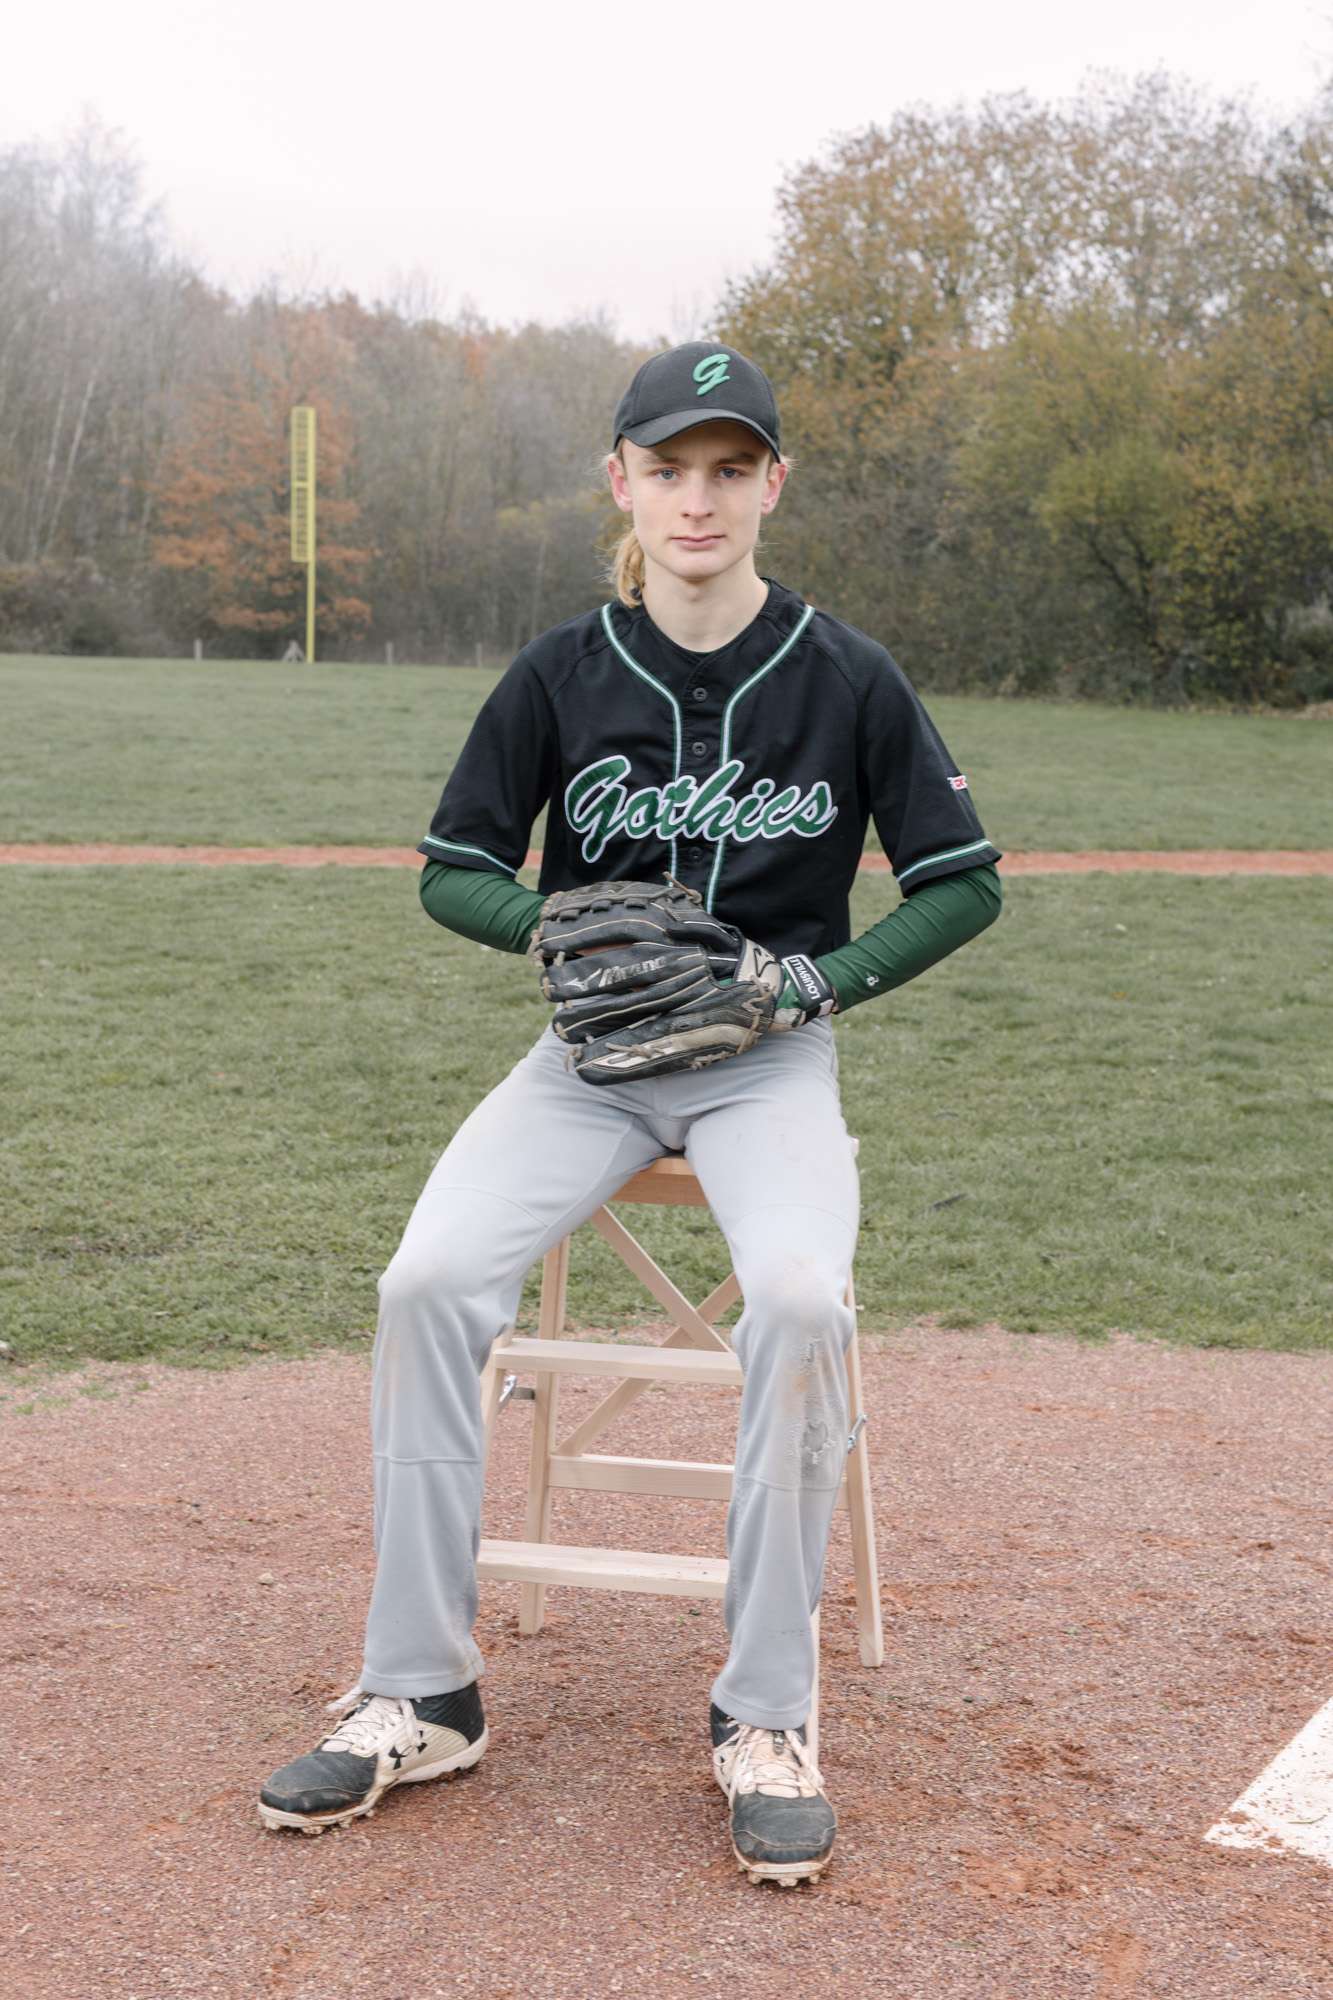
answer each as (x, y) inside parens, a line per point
(1107, 1595)
(1107, 861)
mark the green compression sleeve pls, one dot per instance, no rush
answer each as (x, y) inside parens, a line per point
(925, 928)
(922, 930)
(478, 905)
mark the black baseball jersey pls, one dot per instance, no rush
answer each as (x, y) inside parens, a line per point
(749, 773)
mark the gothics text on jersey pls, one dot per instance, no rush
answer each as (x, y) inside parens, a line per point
(598, 806)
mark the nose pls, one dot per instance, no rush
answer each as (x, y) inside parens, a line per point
(696, 500)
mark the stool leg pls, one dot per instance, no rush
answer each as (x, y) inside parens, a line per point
(492, 1387)
(537, 1524)
(861, 1515)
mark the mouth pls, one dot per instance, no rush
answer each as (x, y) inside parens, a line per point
(696, 541)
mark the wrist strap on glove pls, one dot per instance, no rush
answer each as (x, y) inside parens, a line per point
(814, 992)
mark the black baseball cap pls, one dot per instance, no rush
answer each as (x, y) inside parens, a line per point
(696, 384)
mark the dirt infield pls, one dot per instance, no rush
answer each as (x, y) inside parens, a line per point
(1106, 861)
(1108, 1603)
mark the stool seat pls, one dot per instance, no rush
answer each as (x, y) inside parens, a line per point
(696, 1350)
(668, 1181)
(620, 1357)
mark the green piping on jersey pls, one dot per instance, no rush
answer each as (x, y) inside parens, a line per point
(665, 693)
(458, 847)
(948, 854)
(744, 688)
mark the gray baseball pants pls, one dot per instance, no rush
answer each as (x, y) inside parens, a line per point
(764, 1132)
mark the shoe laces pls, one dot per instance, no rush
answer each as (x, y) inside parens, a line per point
(376, 1723)
(775, 1761)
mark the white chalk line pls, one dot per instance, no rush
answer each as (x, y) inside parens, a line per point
(1290, 1803)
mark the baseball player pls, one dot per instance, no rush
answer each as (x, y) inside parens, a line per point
(709, 747)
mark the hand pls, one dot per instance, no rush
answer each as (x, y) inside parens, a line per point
(645, 981)
(812, 994)
(610, 954)
(727, 1020)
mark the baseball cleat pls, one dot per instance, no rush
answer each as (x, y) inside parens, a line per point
(782, 1825)
(386, 1740)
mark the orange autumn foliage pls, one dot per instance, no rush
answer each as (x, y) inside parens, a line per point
(223, 497)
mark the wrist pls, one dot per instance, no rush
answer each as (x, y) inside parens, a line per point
(808, 991)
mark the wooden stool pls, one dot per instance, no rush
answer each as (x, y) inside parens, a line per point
(696, 1350)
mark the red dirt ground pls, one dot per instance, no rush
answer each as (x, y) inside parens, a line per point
(1109, 861)
(1107, 1595)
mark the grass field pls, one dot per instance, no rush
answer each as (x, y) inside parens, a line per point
(271, 755)
(225, 1089)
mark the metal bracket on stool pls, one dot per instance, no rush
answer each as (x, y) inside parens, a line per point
(511, 1389)
(855, 1432)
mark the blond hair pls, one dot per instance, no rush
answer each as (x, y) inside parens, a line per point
(624, 571)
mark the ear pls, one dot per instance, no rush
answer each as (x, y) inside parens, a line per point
(774, 482)
(615, 472)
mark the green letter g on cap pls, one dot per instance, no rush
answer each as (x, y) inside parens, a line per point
(711, 373)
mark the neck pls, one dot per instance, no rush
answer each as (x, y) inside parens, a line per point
(703, 616)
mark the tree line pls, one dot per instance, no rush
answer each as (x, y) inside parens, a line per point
(1058, 380)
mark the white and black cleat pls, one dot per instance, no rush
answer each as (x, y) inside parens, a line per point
(782, 1825)
(386, 1740)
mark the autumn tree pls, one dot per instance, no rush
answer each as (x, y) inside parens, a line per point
(97, 316)
(1058, 379)
(223, 500)
(1256, 543)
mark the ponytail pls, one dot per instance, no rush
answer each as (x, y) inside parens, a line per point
(625, 570)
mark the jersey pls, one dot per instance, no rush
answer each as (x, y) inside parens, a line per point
(749, 773)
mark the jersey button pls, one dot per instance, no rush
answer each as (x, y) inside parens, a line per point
(694, 855)
(698, 694)
(698, 748)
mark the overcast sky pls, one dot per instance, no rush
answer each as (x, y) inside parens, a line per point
(541, 161)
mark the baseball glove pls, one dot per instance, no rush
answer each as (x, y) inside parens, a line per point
(646, 982)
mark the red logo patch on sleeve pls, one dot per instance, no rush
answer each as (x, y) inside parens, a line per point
(959, 783)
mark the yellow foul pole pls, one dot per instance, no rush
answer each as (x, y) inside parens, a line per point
(303, 510)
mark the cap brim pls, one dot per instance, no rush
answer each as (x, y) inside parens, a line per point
(659, 428)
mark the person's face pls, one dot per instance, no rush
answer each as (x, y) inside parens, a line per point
(697, 499)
